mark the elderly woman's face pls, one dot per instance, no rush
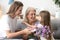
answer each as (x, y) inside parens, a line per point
(31, 15)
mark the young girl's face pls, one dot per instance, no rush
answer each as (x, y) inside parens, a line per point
(41, 17)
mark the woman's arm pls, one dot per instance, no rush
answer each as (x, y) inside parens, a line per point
(32, 26)
(14, 34)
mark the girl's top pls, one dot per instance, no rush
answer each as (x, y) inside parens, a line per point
(43, 31)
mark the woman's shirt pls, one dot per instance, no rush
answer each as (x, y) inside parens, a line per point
(12, 23)
(7, 23)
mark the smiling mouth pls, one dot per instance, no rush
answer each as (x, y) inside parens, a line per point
(32, 18)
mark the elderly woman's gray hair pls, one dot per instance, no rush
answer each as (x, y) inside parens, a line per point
(27, 12)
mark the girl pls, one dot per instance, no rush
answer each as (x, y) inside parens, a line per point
(45, 29)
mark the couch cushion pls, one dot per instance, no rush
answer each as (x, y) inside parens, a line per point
(56, 28)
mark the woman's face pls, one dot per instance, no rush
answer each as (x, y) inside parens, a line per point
(19, 11)
(31, 15)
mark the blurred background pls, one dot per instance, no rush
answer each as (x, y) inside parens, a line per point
(53, 6)
(38, 4)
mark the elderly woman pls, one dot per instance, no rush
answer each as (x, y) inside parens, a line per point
(30, 18)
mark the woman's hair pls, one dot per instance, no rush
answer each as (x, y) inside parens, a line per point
(27, 12)
(14, 7)
(45, 19)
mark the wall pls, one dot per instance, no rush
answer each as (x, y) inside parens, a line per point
(42, 5)
(38, 4)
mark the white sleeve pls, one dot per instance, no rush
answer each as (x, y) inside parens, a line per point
(6, 25)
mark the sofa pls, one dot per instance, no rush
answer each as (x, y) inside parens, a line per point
(55, 23)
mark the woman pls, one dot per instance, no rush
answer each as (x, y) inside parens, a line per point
(30, 18)
(10, 21)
